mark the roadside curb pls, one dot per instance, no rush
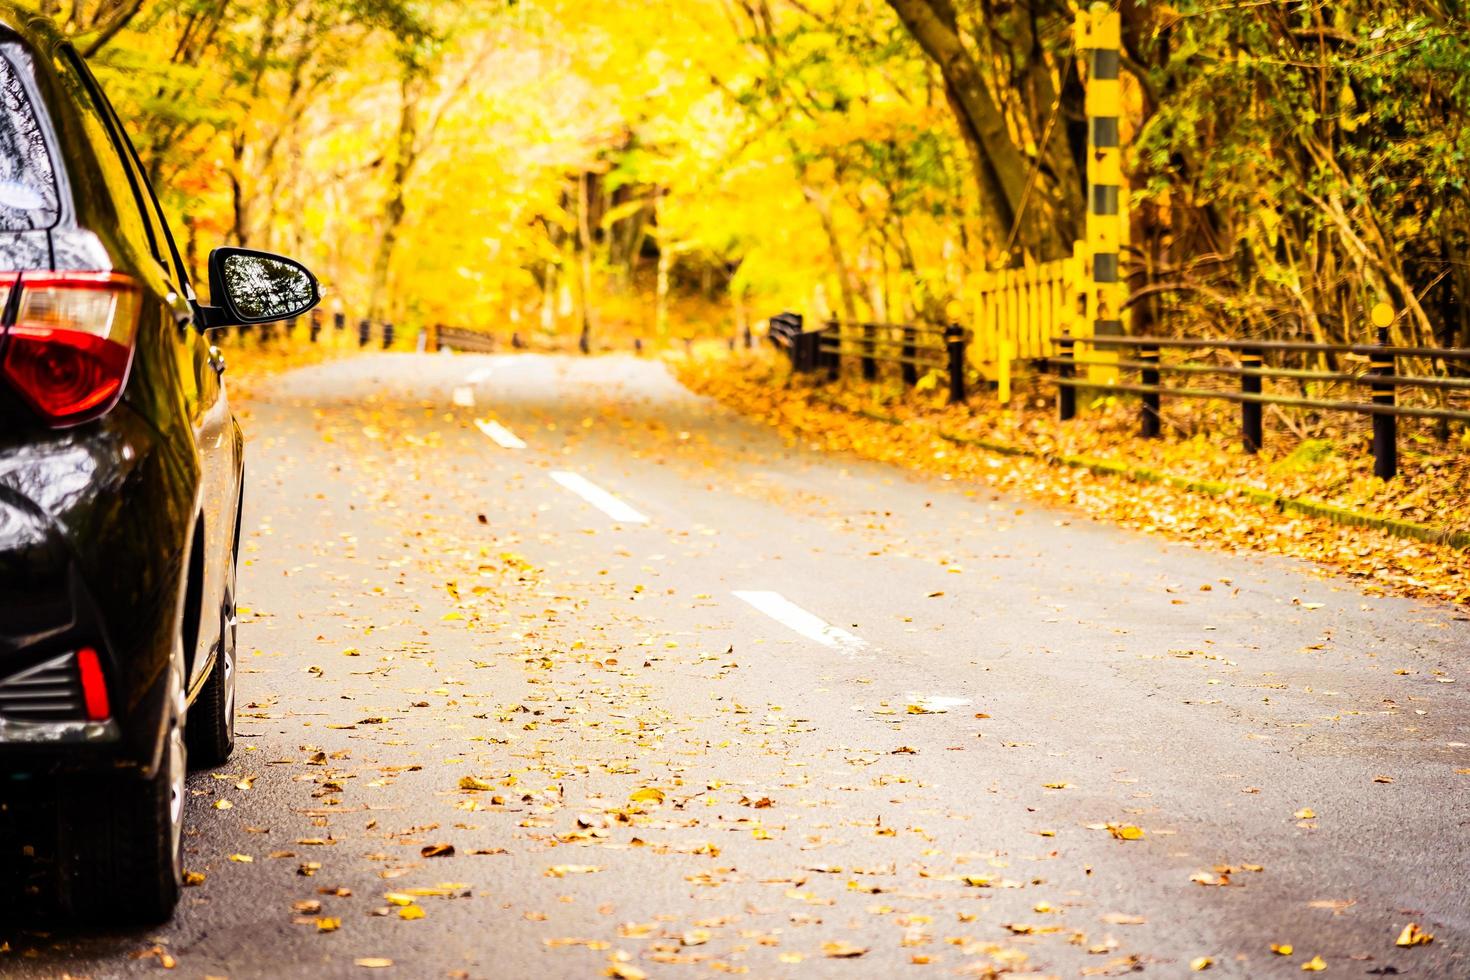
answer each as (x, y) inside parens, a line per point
(1214, 488)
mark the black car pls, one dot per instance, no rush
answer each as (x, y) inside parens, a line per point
(120, 491)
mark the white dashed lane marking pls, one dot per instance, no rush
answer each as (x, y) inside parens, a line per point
(798, 620)
(505, 438)
(598, 497)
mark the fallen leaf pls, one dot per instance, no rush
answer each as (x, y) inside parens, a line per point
(1314, 965)
(1201, 963)
(562, 870)
(1413, 936)
(475, 783)
(842, 950)
(437, 850)
(648, 794)
(1125, 831)
(1122, 919)
(1282, 949)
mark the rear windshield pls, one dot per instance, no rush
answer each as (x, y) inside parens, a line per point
(28, 193)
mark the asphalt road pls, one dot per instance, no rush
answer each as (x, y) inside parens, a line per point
(689, 701)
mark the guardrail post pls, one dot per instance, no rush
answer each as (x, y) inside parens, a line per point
(749, 337)
(954, 341)
(339, 322)
(1251, 412)
(266, 329)
(515, 340)
(314, 326)
(387, 335)
(909, 368)
(1066, 393)
(364, 332)
(638, 346)
(1150, 376)
(291, 327)
(870, 363)
(1385, 424)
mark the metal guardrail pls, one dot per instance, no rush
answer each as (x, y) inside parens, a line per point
(910, 346)
(1382, 378)
(316, 331)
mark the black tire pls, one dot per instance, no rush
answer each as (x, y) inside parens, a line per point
(210, 732)
(121, 842)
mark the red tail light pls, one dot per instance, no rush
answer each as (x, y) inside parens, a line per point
(70, 349)
(94, 685)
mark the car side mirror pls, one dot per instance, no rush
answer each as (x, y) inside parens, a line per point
(247, 287)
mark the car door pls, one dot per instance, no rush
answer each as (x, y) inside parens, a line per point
(200, 370)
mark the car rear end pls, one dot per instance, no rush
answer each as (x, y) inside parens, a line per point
(90, 540)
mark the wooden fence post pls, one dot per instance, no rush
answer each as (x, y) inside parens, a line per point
(1251, 413)
(1150, 376)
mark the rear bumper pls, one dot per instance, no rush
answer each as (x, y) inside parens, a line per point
(91, 525)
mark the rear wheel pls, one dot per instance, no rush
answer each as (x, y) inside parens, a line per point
(121, 841)
(211, 729)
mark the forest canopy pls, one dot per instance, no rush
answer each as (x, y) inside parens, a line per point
(563, 165)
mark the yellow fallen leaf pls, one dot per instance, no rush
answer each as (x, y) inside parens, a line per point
(241, 858)
(1282, 949)
(328, 923)
(694, 937)
(1305, 813)
(1125, 831)
(223, 805)
(398, 898)
(1314, 965)
(648, 794)
(1123, 919)
(475, 783)
(842, 950)
(1201, 963)
(1413, 936)
(410, 912)
(562, 870)
(374, 962)
(193, 878)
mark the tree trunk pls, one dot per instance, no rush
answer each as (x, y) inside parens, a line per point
(397, 206)
(1001, 169)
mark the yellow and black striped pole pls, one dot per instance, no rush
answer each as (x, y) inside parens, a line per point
(1381, 364)
(1099, 33)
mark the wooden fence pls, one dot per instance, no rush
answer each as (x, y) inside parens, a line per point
(1020, 312)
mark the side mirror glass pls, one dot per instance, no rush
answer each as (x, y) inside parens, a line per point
(258, 287)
